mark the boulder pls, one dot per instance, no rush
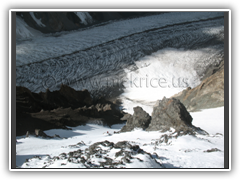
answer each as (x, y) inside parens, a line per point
(139, 119)
(40, 133)
(167, 113)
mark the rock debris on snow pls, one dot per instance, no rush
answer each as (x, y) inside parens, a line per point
(103, 154)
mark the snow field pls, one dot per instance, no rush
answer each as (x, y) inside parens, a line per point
(184, 152)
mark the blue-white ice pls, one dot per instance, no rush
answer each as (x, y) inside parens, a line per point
(40, 48)
(91, 58)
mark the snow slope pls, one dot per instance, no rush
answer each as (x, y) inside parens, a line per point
(38, 21)
(184, 152)
(23, 31)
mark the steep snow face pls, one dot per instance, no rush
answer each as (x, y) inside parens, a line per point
(200, 151)
(23, 31)
(85, 17)
(38, 21)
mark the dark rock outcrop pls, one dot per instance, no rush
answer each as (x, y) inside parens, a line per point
(126, 117)
(31, 102)
(169, 112)
(139, 119)
(50, 22)
(59, 109)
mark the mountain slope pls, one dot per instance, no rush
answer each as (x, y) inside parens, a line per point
(208, 94)
(51, 22)
(134, 62)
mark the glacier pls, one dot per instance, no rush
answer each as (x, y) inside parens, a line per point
(78, 58)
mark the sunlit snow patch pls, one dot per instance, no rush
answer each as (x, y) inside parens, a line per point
(85, 17)
(38, 21)
(200, 151)
(164, 73)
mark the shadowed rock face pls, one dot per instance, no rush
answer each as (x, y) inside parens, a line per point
(139, 119)
(52, 21)
(28, 101)
(59, 109)
(209, 94)
(64, 21)
(169, 112)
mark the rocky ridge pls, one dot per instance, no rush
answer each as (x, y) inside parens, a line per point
(208, 94)
(51, 22)
(167, 113)
(59, 109)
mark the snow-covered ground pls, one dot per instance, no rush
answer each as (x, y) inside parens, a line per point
(184, 152)
(23, 31)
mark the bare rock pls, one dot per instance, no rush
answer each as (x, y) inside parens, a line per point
(139, 119)
(40, 133)
(126, 117)
(208, 94)
(169, 112)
